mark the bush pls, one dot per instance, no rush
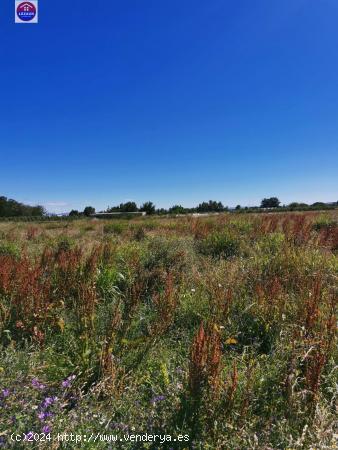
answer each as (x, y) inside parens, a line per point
(219, 244)
(139, 234)
(115, 228)
(324, 222)
(166, 254)
(271, 243)
(9, 249)
(64, 244)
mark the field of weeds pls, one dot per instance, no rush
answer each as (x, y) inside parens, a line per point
(220, 328)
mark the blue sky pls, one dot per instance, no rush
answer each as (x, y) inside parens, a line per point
(171, 101)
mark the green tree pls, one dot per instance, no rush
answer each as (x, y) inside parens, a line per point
(88, 211)
(177, 209)
(211, 206)
(74, 212)
(271, 202)
(12, 208)
(128, 207)
(148, 207)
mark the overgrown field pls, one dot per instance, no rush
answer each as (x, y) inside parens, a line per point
(221, 328)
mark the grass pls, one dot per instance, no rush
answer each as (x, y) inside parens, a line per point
(220, 328)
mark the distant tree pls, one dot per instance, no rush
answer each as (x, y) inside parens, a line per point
(88, 211)
(123, 207)
(162, 211)
(319, 205)
(3, 206)
(148, 207)
(177, 209)
(74, 212)
(112, 209)
(238, 207)
(271, 202)
(296, 205)
(12, 208)
(38, 210)
(211, 206)
(128, 207)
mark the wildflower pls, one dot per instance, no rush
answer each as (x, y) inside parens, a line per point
(29, 436)
(193, 290)
(157, 398)
(36, 383)
(5, 392)
(47, 402)
(68, 381)
(46, 429)
(119, 425)
(42, 416)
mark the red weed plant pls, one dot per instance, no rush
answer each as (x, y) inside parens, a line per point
(205, 360)
(165, 303)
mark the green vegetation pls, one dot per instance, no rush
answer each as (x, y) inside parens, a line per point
(221, 328)
(12, 208)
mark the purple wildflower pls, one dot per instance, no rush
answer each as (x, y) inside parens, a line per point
(47, 402)
(5, 392)
(68, 381)
(119, 426)
(42, 416)
(157, 398)
(36, 383)
(46, 429)
(29, 436)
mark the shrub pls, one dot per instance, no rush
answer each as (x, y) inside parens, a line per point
(115, 228)
(219, 244)
(139, 234)
(64, 244)
(324, 222)
(166, 254)
(9, 249)
(271, 243)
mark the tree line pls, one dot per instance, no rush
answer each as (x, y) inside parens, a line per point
(211, 206)
(12, 208)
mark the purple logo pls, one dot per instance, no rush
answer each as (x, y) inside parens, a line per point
(26, 11)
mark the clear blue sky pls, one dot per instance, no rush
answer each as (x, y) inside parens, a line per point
(171, 101)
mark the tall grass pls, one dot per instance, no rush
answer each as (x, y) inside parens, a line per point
(220, 328)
